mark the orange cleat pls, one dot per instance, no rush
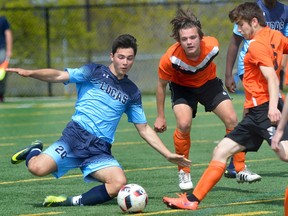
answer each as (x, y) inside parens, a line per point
(180, 203)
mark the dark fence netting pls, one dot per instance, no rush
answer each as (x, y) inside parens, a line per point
(70, 36)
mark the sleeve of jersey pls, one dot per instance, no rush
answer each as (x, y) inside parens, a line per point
(78, 75)
(235, 30)
(285, 30)
(165, 67)
(260, 54)
(135, 112)
(6, 24)
(285, 50)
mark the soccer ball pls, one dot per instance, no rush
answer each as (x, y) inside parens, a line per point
(132, 198)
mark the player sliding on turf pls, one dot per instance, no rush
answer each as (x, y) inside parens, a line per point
(104, 95)
(261, 85)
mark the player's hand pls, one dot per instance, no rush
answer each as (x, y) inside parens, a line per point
(274, 115)
(20, 71)
(275, 140)
(230, 84)
(179, 159)
(160, 125)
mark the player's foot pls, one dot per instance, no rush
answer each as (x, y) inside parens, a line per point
(185, 182)
(230, 173)
(21, 155)
(247, 176)
(180, 203)
(53, 201)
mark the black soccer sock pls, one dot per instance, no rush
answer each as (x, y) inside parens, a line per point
(32, 153)
(193, 198)
(96, 195)
(231, 164)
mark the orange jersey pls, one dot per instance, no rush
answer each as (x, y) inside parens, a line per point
(174, 65)
(265, 49)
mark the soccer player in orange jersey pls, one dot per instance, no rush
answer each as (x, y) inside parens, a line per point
(276, 17)
(261, 85)
(188, 68)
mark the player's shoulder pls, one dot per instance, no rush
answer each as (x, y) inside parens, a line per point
(210, 40)
(265, 36)
(172, 50)
(95, 66)
(210, 43)
(174, 47)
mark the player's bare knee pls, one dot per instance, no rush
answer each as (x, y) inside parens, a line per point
(37, 168)
(283, 151)
(118, 184)
(231, 122)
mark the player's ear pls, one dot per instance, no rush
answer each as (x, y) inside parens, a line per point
(111, 56)
(254, 22)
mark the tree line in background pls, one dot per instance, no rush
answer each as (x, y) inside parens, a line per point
(51, 33)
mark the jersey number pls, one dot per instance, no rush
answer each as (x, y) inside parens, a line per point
(61, 151)
(275, 63)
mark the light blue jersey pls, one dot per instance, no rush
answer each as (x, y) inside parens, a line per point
(276, 18)
(102, 99)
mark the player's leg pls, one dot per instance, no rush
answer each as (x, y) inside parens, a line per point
(225, 111)
(283, 151)
(184, 108)
(216, 99)
(210, 177)
(182, 142)
(108, 171)
(243, 174)
(38, 164)
(2, 81)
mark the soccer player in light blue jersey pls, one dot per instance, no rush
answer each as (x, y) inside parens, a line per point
(104, 94)
(276, 17)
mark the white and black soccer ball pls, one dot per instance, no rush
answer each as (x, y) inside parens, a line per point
(132, 198)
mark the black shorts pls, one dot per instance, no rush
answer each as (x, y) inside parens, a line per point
(210, 95)
(82, 143)
(255, 128)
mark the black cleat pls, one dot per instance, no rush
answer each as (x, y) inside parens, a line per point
(21, 155)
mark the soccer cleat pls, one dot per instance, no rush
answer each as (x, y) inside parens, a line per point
(247, 176)
(230, 173)
(185, 182)
(54, 201)
(180, 203)
(21, 155)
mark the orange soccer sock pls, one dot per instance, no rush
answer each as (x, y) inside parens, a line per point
(209, 179)
(228, 130)
(239, 161)
(238, 158)
(286, 202)
(182, 143)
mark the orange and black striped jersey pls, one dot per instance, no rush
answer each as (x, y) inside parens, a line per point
(174, 65)
(265, 49)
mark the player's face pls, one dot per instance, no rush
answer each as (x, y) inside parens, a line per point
(190, 42)
(122, 61)
(245, 29)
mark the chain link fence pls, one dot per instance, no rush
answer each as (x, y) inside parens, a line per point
(60, 37)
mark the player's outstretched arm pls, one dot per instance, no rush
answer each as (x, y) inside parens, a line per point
(150, 136)
(49, 75)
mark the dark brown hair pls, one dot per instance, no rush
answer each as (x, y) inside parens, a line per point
(124, 41)
(246, 12)
(184, 20)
